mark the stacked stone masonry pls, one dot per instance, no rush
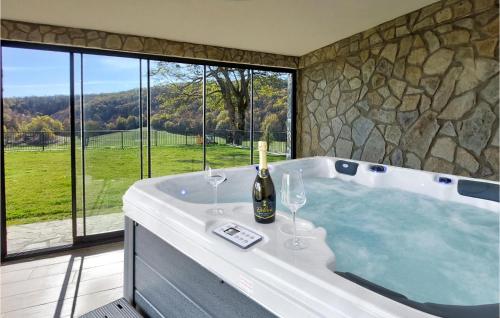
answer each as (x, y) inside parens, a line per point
(58, 35)
(420, 91)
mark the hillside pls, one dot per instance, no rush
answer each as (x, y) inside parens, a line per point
(170, 109)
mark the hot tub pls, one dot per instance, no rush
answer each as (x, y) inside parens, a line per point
(383, 242)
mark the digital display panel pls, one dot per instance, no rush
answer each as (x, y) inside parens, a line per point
(231, 231)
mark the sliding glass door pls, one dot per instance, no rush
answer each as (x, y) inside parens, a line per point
(110, 138)
(227, 116)
(36, 131)
(176, 118)
(271, 111)
(79, 128)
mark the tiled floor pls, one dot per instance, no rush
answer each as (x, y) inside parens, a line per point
(26, 237)
(62, 285)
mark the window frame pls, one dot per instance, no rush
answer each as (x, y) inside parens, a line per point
(103, 238)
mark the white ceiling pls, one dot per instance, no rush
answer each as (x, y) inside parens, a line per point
(291, 27)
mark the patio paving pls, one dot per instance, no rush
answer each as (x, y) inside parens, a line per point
(26, 237)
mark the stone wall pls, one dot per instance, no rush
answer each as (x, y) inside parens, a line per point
(420, 91)
(58, 35)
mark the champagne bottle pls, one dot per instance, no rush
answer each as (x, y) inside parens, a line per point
(264, 196)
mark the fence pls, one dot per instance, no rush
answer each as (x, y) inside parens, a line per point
(96, 139)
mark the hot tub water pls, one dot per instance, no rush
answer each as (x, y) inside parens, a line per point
(426, 249)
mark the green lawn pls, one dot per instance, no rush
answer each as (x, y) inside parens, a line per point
(38, 183)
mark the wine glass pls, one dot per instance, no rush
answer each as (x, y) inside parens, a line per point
(215, 177)
(293, 196)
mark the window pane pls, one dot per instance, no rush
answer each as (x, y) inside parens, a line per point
(176, 118)
(228, 122)
(37, 149)
(112, 153)
(271, 113)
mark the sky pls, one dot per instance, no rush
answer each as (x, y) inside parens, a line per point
(28, 72)
(41, 73)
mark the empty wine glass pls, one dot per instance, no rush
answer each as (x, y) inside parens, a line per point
(215, 177)
(293, 196)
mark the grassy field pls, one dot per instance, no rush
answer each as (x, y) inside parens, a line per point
(38, 183)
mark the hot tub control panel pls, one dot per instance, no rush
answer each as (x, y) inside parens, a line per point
(238, 235)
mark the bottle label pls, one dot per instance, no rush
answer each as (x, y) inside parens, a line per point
(264, 209)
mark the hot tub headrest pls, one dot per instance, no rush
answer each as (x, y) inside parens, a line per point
(346, 167)
(479, 189)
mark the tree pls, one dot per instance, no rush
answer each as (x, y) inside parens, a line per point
(271, 98)
(121, 123)
(42, 130)
(227, 89)
(92, 128)
(270, 124)
(132, 122)
(223, 121)
(176, 98)
(158, 121)
(234, 89)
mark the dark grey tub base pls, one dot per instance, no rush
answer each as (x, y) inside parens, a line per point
(162, 282)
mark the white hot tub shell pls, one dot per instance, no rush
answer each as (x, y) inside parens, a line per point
(286, 283)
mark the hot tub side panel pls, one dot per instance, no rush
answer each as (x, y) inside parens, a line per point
(162, 282)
